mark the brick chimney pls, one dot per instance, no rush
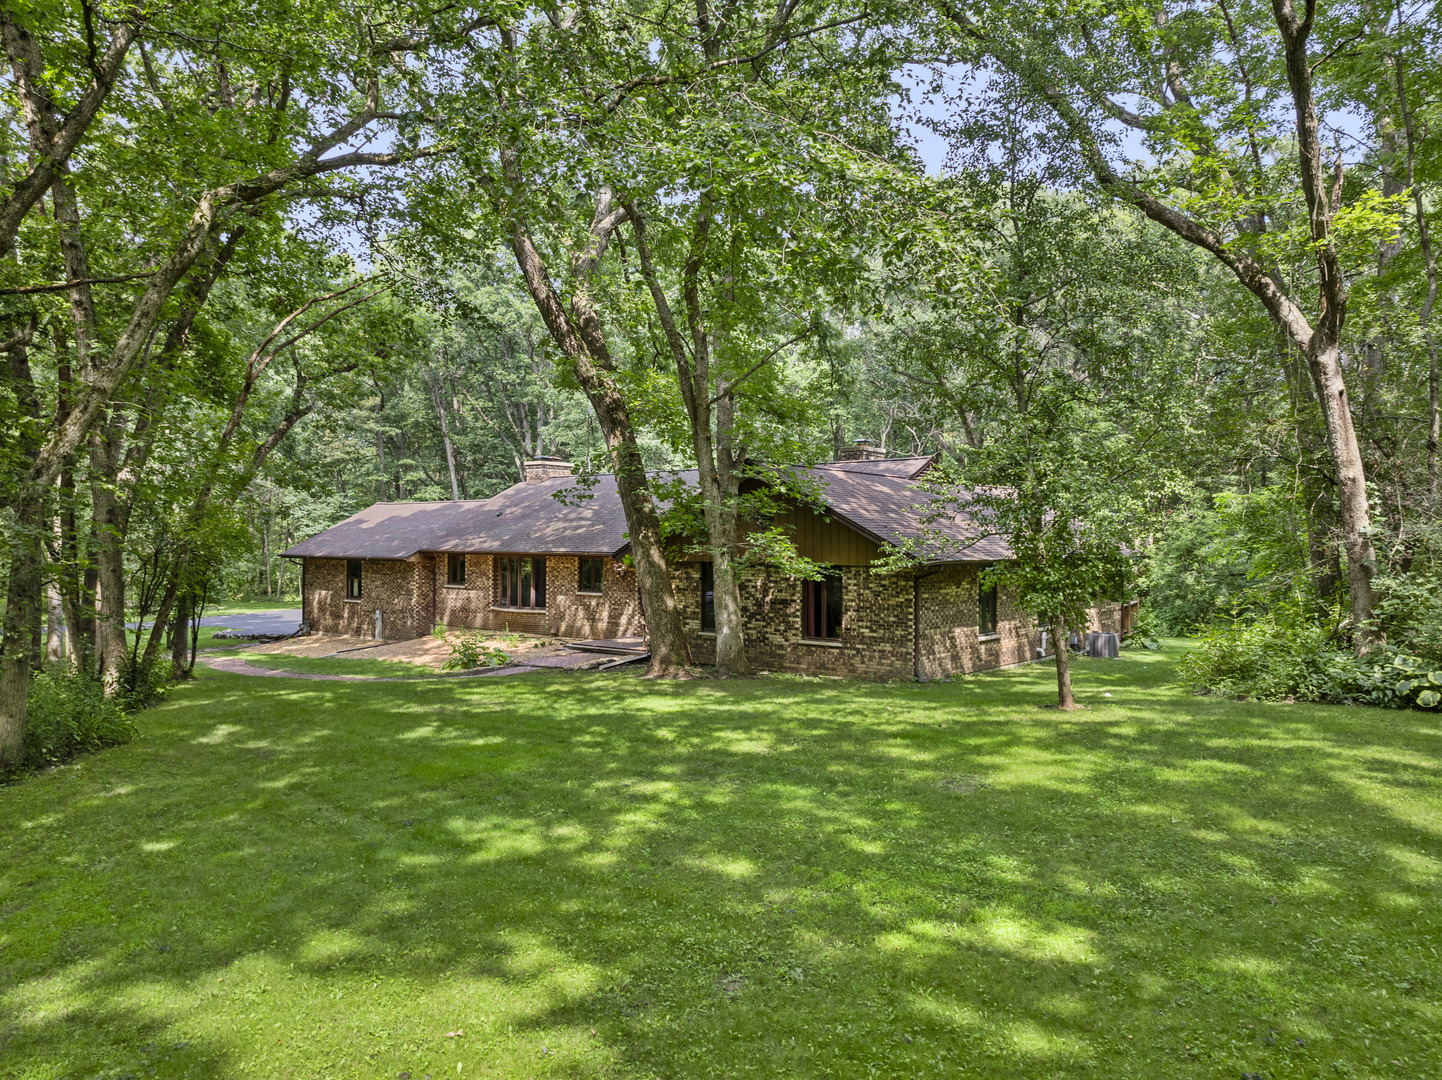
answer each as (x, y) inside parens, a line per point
(537, 469)
(862, 450)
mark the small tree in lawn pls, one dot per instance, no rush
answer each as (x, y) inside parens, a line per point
(1068, 520)
(1068, 382)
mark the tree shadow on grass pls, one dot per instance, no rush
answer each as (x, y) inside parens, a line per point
(600, 876)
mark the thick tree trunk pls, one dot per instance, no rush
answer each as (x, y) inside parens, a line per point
(1324, 361)
(180, 639)
(581, 338)
(1064, 698)
(723, 527)
(714, 455)
(19, 645)
(653, 576)
(18, 654)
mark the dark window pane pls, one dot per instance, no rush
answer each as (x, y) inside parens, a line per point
(986, 609)
(590, 575)
(833, 606)
(538, 578)
(822, 606)
(353, 579)
(455, 569)
(708, 596)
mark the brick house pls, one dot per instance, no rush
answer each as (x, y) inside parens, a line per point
(527, 561)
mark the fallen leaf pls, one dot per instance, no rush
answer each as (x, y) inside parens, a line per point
(454, 1034)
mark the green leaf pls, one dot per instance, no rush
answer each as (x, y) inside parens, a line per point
(1429, 699)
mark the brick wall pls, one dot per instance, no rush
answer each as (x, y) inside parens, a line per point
(881, 614)
(948, 614)
(401, 590)
(875, 623)
(468, 604)
(614, 612)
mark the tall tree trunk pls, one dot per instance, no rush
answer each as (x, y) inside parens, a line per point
(1324, 360)
(180, 638)
(110, 645)
(724, 528)
(715, 468)
(438, 400)
(18, 655)
(21, 624)
(581, 338)
(1064, 698)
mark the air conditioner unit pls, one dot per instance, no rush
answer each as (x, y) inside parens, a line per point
(1103, 646)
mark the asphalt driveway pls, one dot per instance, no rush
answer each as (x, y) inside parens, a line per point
(278, 621)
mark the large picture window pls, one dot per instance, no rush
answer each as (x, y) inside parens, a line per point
(522, 582)
(455, 569)
(590, 574)
(821, 607)
(353, 579)
(985, 609)
(708, 597)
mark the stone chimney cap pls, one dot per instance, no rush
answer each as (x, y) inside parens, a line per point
(545, 467)
(862, 450)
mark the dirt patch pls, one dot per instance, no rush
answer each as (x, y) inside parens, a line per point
(429, 651)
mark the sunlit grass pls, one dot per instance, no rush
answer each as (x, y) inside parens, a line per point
(598, 876)
(339, 665)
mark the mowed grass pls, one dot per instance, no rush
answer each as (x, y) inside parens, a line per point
(561, 875)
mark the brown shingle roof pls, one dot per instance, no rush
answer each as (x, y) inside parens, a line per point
(874, 497)
(890, 510)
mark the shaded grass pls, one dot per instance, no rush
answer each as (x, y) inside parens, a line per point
(597, 876)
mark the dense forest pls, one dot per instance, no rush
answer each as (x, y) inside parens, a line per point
(1169, 298)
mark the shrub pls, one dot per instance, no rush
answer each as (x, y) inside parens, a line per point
(68, 714)
(1146, 631)
(143, 685)
(1273, 660)
(1393, 680)
(471, 651)
(1264, 658)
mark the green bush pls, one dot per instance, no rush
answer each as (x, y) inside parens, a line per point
(1146, 632)
(143, 685)
(471, 651)
(1274, 660)
(68, 715)
(1265, 658)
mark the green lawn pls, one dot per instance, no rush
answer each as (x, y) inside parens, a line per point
(597, 876)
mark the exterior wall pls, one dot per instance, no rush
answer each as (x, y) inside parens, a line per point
(468, 604)
(403, 592)
(614, 612)
(876, 620)
(947, 617)
(826, 541)
(893, 626)
(947, 639)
